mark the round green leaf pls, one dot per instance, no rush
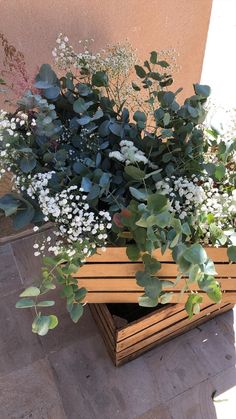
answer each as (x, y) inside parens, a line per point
(48, 303)
(133, 252)
(30, 292)
(25, 303)
(27, 164)
(134, 172)
(195, 254)
(100, 79)
(231, 252)
(41, 325)
(140, 71)
(76, 312)
(53, 321)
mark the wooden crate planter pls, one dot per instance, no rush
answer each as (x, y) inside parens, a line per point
(110, 277)
(162, 324)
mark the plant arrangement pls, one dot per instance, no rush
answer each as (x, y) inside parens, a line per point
(111, 162)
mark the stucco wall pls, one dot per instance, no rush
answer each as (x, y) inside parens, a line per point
(32, 25)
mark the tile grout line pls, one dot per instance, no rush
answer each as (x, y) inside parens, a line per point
(200, 382)
(16, 263)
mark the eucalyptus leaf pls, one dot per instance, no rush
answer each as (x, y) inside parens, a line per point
(153, 57)
(23, 217)
(190, 306)
(140, 71)
(9, 204)
(41, 325)
(30, 292)
(100, 79)
(140, 195)
(195, 254)
(134, 172)
(46, 303)
(27, 164)
(202, 90)
(231, 252)
(76, 312)
(25, 303)
(53, 321)
(46, 77)
(133, 252)
(151, 264)
(145, 301)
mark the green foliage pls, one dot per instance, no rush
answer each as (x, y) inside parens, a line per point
(119, 156)
(192, 305)
(42, 324)
(30, 292)
(133, 252)
(232, 253)
(134, 172)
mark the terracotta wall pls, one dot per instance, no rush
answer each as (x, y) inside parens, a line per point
(33, 25)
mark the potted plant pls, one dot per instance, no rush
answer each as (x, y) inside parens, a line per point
(115, 164)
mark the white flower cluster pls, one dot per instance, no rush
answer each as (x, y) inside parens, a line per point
(76, 223)
(222, 121)
(8, 134)
(219, 203)
(116, 59)
(128, 153)
(199, 197)
(185, 194)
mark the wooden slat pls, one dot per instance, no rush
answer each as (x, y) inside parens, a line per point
(118, 254)
(159, 326)
(106, 270)
(160, 316)
(132, 297)
(166, 311)
(107, 315)
(110, 347)
(121, 360)
(111, 333)
(130, 284)
(168, 333)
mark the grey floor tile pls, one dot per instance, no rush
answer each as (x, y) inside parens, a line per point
(30, 393)
(18, 345)
(9, 274)
(28, 264)
(67, 331)
(191, 358)
(214, 398)
(92, 388)
(159, 412)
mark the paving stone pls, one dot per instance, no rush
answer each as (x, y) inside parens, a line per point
(18, 345)
(214, 398)
(91, 387)
(30, 393)
(9, 274)
(67, 331)
(191, 358)
(29, 265)
(159, 412)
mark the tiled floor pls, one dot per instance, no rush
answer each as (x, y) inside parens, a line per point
(68, 374)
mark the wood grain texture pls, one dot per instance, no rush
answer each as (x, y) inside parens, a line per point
(118, 254)
(130, 284)
(160, 326)
(168, 270)
(109, 277)
(133, 297)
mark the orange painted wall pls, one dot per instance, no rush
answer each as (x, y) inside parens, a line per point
(33, 25)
